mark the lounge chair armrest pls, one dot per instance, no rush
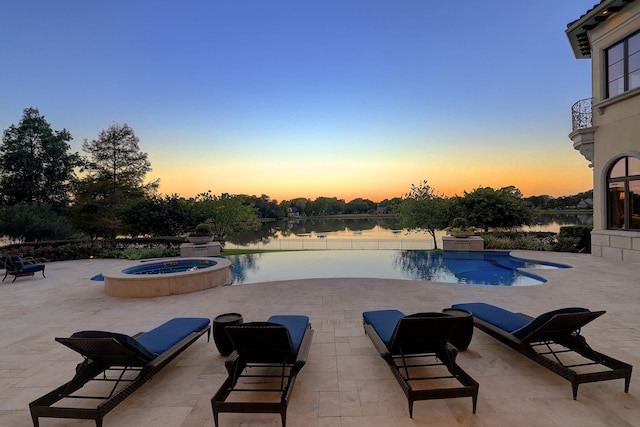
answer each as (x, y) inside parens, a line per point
(32, 260)
(377, 342)
(231, 361)
(452, 351)
(303, 352)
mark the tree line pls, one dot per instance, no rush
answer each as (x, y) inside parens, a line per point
(49, 193)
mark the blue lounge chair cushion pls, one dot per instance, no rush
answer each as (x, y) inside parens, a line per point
(31, 268)
(517, 324)
(17, 261)
(296, 325)
(499, 317)
(384, 322)
(165, 336)
(125, 340)
(544, 318)
(155, 342)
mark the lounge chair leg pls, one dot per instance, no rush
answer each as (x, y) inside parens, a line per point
(627, 381)
(410, 408)
(574, 386)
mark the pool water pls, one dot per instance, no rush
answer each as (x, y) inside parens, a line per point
(474, 268)
(164, 267)
(167, 267)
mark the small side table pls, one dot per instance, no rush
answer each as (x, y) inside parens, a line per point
(463, 330)
(220, 337)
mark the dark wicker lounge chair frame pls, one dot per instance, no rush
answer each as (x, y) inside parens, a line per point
(111, 363)
(263, 353)
(404, 351)
(558, 336)
(30, 267)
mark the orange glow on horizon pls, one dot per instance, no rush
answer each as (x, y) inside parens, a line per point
(533, 172)
(533, 187)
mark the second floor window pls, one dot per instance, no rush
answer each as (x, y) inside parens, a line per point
(623, 66)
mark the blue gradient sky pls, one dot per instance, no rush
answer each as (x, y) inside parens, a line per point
(301, 98)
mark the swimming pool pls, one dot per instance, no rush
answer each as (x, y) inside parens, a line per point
(474, 268)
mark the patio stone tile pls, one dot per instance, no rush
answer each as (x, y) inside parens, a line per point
(345, 382)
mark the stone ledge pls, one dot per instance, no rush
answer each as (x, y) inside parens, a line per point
(195, 250)
(471, 243)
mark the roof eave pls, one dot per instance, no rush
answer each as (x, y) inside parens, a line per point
(578, 30)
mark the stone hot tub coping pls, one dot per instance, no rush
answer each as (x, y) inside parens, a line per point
(118, 283)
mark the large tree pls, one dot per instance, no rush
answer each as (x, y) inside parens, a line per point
(327, 206)
(227, 214)
(360, 206)
(265, 206)
(35, 163)
(424, 210)
(115, 157)
(156, 216)
(115, 169)
(30, 223)
(487, 208)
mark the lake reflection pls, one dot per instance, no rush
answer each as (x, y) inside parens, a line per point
(366, 233)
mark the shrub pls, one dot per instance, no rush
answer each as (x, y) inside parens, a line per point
(85, 249)
(493, 242)
(135, 253)
(575, 238)
(531, 241)
(202, 229)
(459, 222)
(113, 253)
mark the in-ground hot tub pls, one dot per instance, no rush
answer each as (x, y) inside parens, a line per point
(170, 276)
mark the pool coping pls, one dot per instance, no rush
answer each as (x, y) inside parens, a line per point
(124, 285)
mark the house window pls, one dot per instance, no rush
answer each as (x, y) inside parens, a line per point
(623, 66)
(623, 195)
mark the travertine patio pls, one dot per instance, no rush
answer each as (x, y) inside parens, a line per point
(345, 382)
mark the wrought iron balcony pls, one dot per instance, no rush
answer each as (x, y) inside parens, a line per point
(583, 133)
(582, 114)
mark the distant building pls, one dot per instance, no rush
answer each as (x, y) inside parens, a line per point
(585, 204)
(293, 212)
(606, 126)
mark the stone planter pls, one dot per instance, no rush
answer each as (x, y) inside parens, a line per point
(200, 240)
(462, 234)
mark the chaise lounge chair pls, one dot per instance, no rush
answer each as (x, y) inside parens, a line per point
(552, 340)
(116, 365)
(17, 266)
(417, 350)
(266, 359)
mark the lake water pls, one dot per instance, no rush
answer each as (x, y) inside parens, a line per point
(366, 233)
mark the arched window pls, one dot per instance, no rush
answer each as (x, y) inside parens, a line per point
(623, 194)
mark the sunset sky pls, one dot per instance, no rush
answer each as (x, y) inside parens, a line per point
(308, 98)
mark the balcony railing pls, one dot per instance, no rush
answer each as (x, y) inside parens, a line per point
(582, 114)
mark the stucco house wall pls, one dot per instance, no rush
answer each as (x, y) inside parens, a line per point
(616, 121)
